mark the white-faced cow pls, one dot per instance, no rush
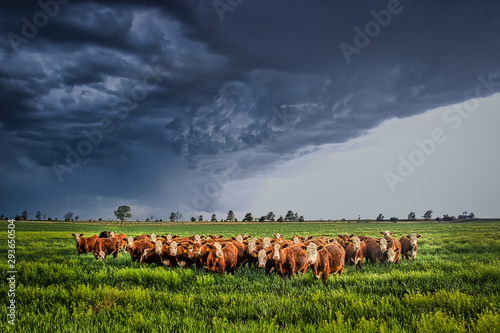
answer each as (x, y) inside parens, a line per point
(409, 246)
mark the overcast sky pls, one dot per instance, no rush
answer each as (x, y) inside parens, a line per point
(331, 109)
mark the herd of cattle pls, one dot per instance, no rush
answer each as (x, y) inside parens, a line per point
(286, 257)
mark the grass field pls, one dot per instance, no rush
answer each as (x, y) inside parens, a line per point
(453, 286)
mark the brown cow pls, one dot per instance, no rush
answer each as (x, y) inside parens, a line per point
(345, 239)
(325, 260)
(150, 256)
(265, 260)
(375, 249)
(85, 245)
(393, 253)
(354, 252)
(121, 237)
(106, 246)
(289, 259)
(222, 258)
(136, 248)
(409, 246)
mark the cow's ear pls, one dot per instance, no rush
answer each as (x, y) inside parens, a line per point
(321, 247)
(73, 235)
(203, 236)
(285, 246)
(382, 233)
(269, 252)
(221, 236)
(340, 236)
(418, 236)
(303, 247)
(407, 236)
(378, 241)
(351, 236)
(233, 238)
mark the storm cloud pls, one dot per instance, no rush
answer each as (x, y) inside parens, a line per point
(147, 103)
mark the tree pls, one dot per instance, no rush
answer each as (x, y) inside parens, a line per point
(230, 216)
(175, 217)
(427, 215)
(412, 216)
(123, 213)
(301, 218)
(280, 219)
(147, 219)
(77, 218)
(193, 219)
(394, 219)
(262, 219)
(380, 217)
(38, 215)
(214, 218)
(68, 216)
(24, 215)
(248, 217)
(151, 217)
(44, 216)
(270, 216)
(289, 216)
(200, 218)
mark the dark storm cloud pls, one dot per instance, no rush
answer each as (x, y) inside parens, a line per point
(265, 85)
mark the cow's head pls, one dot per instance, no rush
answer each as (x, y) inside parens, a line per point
(266, 242)
(413, 239)
(218, 250)
(345, 239)
(386, 233)
(158, 247)
(77, 237)
(173, 248)
(112, 234)
(382, 242)
(356, 244)
(252, 245)
(295, 240)
(197, 238)
(239, 238)
(276, 251)
(311, 251)
(391, 255)
(153, 238)
(168, 238)
(278, 236)
(101, 255)
(262, 257)
(129, 240)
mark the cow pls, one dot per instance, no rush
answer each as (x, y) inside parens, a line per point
(393, 253)
(121, 237)
(222, 258)
(84, 245)
(266, 261)
(375, 249)
(409, 246)
(136, 248)
(354, 252)
(106, 246)
(344, 239)
(150, 256)
(325, 260)
(278, 236)
(289, 259)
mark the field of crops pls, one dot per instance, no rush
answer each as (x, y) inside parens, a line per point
(453, 286)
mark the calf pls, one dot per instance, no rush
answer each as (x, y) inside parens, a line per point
(289, 259)
(106, 246)
(409, 246)
(325, 260)
(266, 261)
(84, 245)
(393, 253)
(222, 258)
(354, 252)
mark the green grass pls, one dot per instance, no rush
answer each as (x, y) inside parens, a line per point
(453, 286)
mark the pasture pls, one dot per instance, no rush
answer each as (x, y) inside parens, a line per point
(452, 286)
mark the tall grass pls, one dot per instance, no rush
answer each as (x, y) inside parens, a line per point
(453, 286)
